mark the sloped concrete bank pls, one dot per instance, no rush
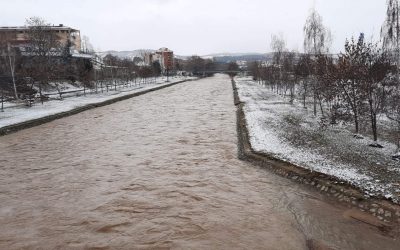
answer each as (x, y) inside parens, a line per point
(381, 208)
(35, 122)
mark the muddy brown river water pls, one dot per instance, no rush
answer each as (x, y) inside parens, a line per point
(159, 171)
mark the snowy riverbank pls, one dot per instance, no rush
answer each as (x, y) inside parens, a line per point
(14, 114)
(291, 133)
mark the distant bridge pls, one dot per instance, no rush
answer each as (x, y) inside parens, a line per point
(221, 71)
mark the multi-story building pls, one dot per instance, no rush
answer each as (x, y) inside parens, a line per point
(19, 36)
(167, 59)
(164, 56)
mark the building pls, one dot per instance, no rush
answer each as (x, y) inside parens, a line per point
(166, 59)
(164, 56)
(18, 36)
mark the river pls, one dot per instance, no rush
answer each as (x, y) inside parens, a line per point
(160, 171)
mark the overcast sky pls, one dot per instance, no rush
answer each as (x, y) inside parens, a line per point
(199, 26)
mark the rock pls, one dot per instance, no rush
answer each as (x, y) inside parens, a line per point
(357, 136)
(368, 219)
(396, 156)
(375, 145)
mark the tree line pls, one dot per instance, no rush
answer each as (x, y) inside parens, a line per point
(26, 70)
(363, 81)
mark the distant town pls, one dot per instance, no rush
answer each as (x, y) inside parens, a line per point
(40, 53)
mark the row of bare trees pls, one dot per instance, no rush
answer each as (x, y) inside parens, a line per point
(362, 81)
(38, 62)
(197, 65)
(27, 69)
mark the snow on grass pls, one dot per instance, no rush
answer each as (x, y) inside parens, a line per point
(14, 114)
(291, 133)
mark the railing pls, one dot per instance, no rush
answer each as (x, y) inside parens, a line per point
(103, 86)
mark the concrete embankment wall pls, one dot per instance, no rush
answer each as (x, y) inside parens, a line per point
(384, 210)
(35, 122)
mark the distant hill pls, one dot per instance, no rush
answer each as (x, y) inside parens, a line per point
(231, 57)
(125, 54)
(219, 57)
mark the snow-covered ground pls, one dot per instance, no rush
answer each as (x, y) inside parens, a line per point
(291, 133)
(16, 112)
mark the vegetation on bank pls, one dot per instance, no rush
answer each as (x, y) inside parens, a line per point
(361, 84)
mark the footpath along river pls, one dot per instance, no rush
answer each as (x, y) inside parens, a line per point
(159, 171)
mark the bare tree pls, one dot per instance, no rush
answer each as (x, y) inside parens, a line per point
(317, 40)
(317, 37)
(390, 34)
(43, 47)
(326, 73)
(303, 72)
(9, 55)
(376, 88)
(278, 46)
(255, 70)
(351, 74)
(232, 69)
(392, 109)
(85, 73)
(390, 31)
(86, 45)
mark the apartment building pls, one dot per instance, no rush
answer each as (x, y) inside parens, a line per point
(164, 56)
(19, 36)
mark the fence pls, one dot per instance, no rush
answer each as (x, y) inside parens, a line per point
(97, 87)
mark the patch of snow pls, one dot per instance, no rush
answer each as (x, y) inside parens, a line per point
(291, 133)
(17, 113)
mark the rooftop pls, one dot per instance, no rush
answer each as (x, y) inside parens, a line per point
(20, 28)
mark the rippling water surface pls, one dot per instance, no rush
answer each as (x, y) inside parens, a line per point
(159, 171)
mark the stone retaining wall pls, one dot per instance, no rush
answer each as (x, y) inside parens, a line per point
(346, 193)
(35, 122)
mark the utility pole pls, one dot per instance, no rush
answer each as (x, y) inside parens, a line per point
(167, 74)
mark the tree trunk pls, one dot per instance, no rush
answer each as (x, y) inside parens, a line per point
(12, 69)
(373, 121)
(315, 103)
(291, 94)
(2, 100)
(356, 122)
(320, 105)
(374, 127)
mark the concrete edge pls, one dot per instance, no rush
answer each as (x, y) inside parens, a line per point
(381, 208)
(39, 121)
